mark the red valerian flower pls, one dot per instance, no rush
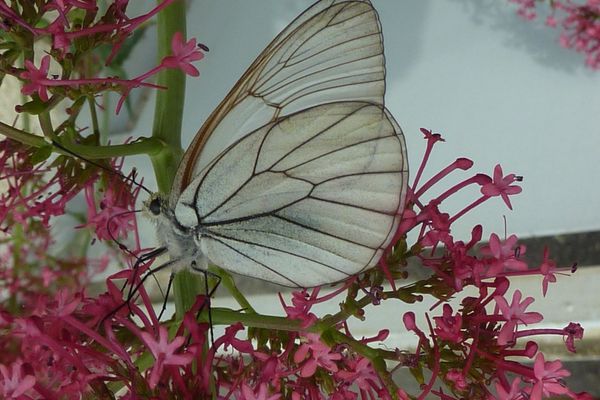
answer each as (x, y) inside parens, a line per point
(36, 78)
(448, 326)
(501, 186)
(515, 314)
(548, 375)
(14, 383)
(316, 354)
(260, 394)
(183, 55)
(164, 353)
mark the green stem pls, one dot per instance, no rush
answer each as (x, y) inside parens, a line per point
(94, 115)
(222, 316)
(46, 124)
(168, 110)
(168, 114)
(186, 286)
(228, 282)
(148, 146)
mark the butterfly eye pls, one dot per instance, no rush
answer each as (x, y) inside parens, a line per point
(154, 206)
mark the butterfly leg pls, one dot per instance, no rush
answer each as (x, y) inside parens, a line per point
(164, 305)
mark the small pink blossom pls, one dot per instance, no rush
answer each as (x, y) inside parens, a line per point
(315, 353)
(14, 383)
(514, 314)
(183, 55)
(457, 378)
(261, 394)
(164, 353)
(448, 326)
(513, 393)
(504, 254)
(547, 268)
(302, 302)
(573, 331)
(360, 373)
(501, 186)
(548, 375)
(36, 78)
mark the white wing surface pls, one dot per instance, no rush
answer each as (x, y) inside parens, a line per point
(311, 198)
(332, 52)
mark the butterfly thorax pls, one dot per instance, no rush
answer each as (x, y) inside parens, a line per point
(178, 239)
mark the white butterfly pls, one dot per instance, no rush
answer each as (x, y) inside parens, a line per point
(311, 185)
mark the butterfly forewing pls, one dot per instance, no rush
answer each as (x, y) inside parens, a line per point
(311, 199)
(331, 52)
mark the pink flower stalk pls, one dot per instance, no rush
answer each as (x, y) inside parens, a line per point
(431, 138)
(38, 82)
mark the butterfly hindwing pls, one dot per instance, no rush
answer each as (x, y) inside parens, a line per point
(309, 199)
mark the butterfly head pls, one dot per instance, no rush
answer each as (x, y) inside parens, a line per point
(156, 207)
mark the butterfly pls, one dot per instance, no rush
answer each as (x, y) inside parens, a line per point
(310, 187)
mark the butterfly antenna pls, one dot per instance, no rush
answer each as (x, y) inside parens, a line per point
(110, 170)
(113, 237)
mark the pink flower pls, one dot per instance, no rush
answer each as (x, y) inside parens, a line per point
(360, 373)
(512, 393)
(547, 269)
(548, 377)
(14, 383)
(260, 394)
(504, 254)
(302, 302)
(183, 55)
(515, 314)
(447, 326)
(113, 216)
(164, 353)
(457, 377)
(36, 78)
(318, 355)
(573, 331)
(501, 186)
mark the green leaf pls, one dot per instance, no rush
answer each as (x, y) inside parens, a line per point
(41, 154)
(34, 107)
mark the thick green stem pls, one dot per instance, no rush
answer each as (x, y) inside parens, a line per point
(168, 111)
(186, 286)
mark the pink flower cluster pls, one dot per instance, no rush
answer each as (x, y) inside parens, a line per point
(61, 343)
(579, 22)
(68, 40)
